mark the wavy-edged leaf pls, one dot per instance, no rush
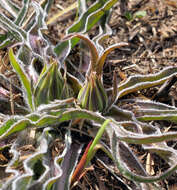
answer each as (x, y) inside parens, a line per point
(18, 33)
(147, 139)
(140, 82)
(120, 115)
(35, 168)
(85, 22)
(150, 110)
(68, 164)
(69, 114)
(164, 151)
(57, 179)
(23, 78)
(43, 120)
(130, 174)
(11, 7)
(91, 16)
(56, 105)
(5, 40)
(11, 167)
(34, 31)
(7, 125)
(13, 126)
(148, 104)
(104, 31)
(91, 45)
(39, 23)
(22, 13)
(139, 136)
(168, 116)
(46, 5)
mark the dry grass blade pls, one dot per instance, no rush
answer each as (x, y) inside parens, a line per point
(60, 13)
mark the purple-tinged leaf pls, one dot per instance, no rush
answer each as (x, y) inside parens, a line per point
(121, 164)
(59, 178)
(102, 58)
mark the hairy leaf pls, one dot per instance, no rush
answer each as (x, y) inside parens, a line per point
(18, 33)
(58, 180)
(85, 22)
(22, 13)
(130, 174)
(11, 7)
(102, 58)
(24, 79)
(140, 82)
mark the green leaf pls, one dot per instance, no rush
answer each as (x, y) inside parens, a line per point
(11, 7)
(128, 16)
(18, 33)
(5, 126)
(5, 40)
(129, 174)
(139, 82)
(169, 116)
(87, 21)
(23, 78)
(149, 111)
(47, 4)
(104, 31)
(22, 13)
(42, 88)
(50, 86)
(36, 167)
(147, 139)
(48, 117)
(13, 126)
(68, 114)
(3, 37)
(96, 140)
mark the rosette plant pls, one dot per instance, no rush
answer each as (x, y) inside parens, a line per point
(58, 105)
(92, 105)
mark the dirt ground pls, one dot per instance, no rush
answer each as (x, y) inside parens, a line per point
(153, 46)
